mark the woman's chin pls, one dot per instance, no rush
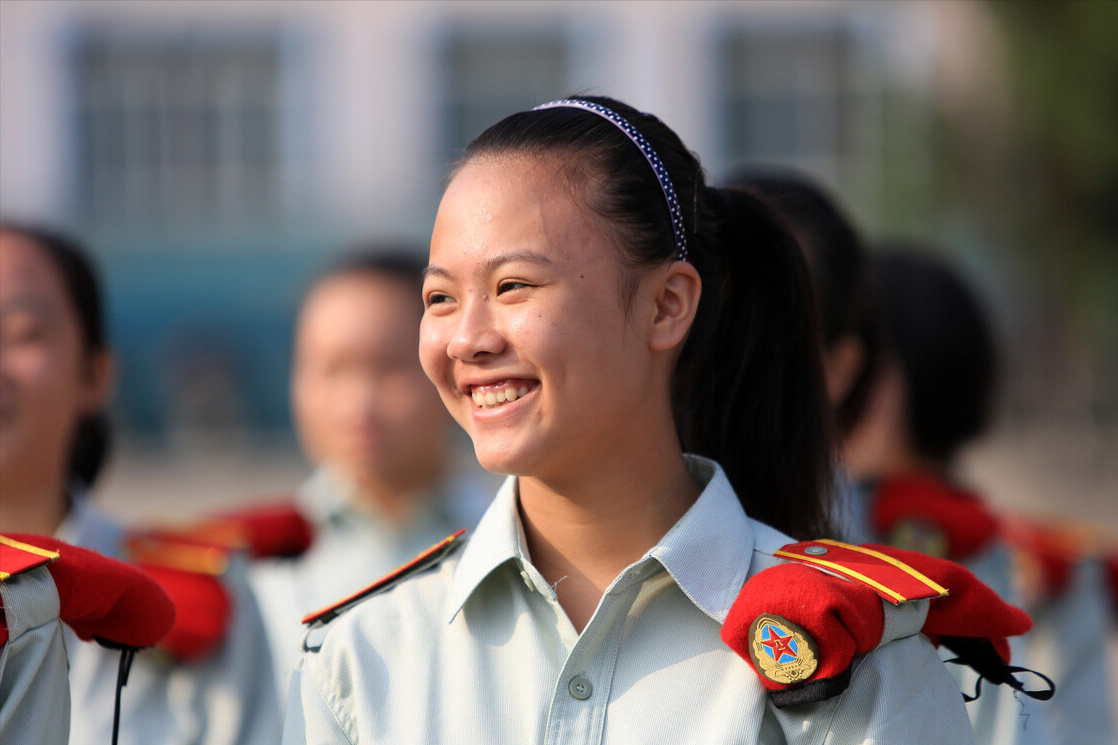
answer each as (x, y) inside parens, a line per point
(501, 459)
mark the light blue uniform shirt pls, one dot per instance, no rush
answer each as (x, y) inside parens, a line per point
(34, 693)
(228, 698)
(352, 547)
(479, 650)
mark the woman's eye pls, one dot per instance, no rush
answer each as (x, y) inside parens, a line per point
(511, 285)
(437, 297)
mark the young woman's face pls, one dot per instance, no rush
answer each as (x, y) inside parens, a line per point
(361, 401)
(525, 333)
(45, 381)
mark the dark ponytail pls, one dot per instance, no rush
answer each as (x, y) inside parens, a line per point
(89, 449)
(838, 265)
(748, 388)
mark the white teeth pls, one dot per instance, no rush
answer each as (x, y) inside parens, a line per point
(490, 399)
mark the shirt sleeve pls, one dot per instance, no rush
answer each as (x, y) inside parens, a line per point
(34, 689)
(900, 692)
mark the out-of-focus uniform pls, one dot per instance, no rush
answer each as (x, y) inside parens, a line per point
(1066, 587)
(34, 694)
(921, 513)
(351, 544)
(43, 584)
(478, 650)
(226, 697)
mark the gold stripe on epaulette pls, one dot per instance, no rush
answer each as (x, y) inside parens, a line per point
(911, 571)
(844, 570)
(209, 560)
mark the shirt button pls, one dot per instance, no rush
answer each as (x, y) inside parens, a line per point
(580, 688)
(527, 580)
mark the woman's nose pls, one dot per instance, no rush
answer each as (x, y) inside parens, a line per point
(475, 335)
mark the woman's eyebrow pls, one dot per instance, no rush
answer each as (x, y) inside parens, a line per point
(493, 263)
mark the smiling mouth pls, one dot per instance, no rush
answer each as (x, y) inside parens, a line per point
(492, 395)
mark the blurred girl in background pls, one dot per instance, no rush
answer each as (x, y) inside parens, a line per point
(213, 684)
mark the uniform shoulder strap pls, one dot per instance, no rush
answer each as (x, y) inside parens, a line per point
(430, 558)
(17, 557)
(894, 580)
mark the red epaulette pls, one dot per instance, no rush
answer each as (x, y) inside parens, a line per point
(889, 577)
(17, 557)
(921, 512)
(190, 572)
(273, 529)
(426, 560)
(99, 598)
(800, 624)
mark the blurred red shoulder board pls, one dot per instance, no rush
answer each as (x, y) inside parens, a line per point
(430, 558)
(191, 572)
(17, 557)
(924, 513)
(274, 529)
(892, 579)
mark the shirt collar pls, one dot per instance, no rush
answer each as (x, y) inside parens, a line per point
(707, 552)
(497, 539)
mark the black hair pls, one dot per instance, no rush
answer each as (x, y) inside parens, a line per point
(400, 262)
(936, 329)
(748, 387)
(839, 268)
(92, 439)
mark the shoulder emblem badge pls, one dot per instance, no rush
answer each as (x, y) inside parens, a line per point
(782, 651)
(918, 534)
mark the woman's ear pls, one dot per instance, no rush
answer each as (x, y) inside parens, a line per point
(675, 293)
(100, 378)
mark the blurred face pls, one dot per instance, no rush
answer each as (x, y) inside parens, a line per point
(524, 331)
(361, 401)
(47, 381)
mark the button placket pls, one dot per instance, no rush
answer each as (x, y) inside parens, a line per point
(578, 706)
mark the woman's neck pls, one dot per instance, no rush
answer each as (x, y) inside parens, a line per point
(35, 507)
(583, 532)
(399, 500)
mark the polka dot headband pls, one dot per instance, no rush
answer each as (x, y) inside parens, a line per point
(649, 154)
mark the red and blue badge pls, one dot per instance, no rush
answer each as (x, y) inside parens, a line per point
(782, 651)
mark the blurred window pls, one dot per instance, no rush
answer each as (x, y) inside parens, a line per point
(797, 95)
(178, 134)
(490, 76)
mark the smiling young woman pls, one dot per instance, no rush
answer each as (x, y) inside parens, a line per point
(639, 351)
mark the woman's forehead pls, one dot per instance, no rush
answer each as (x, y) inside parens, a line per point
(27, 273)
(511, 205)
